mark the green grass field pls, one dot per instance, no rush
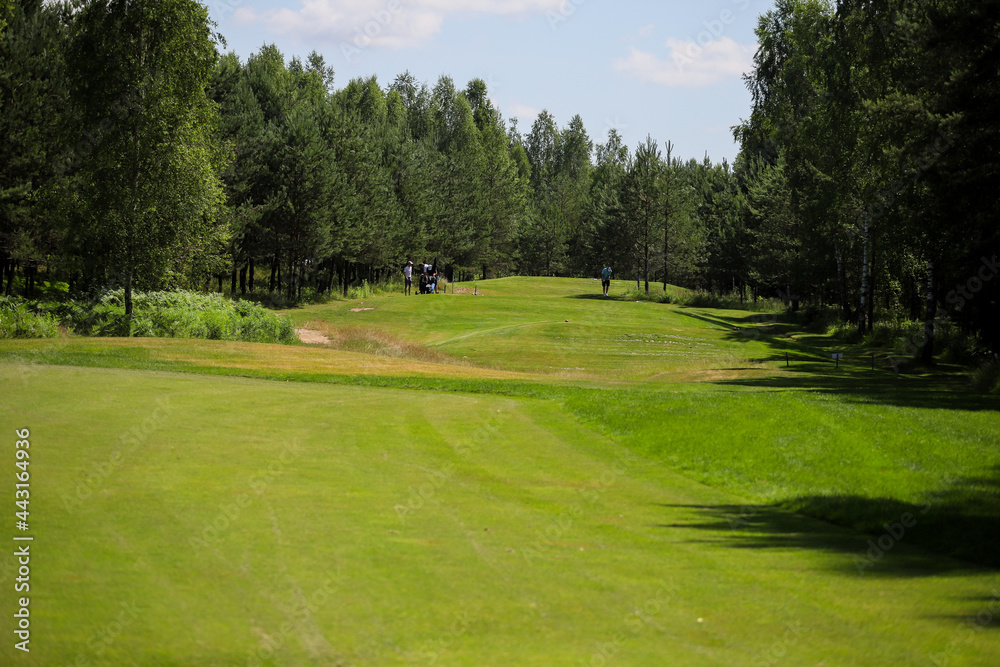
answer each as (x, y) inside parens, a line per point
(533, 475)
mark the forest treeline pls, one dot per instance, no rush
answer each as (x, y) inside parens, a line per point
(137, 155)
(870, 163)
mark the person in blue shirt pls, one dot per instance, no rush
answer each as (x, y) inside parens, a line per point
(606, 279)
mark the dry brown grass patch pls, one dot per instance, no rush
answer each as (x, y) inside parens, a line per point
(357, 338)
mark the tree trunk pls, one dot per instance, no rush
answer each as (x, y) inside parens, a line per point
(927, 352)
(232, 282)
(666, 238)
(219, 276)
(274, 269)
(243, 281)
(871, 297)
(645, 272)
(128, 301)
(863, 324)
(250, 270)
(845, 304)
(913, 292)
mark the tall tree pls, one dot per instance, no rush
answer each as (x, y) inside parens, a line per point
(504, 190)
(34, 123)
(543, 244)
(152, 173)
(573, 190)
(642, 208)
(608, 246)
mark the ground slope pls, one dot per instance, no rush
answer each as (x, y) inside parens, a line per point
(473, 479)
(183, 519)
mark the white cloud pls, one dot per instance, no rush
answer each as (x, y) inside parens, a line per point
(507, 7)
(643, 33)
(523, 112)
(690, 64)
(392, 23)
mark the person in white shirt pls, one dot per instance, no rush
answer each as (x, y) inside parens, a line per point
(407, 277)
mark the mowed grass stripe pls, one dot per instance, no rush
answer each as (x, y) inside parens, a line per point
(422, 527)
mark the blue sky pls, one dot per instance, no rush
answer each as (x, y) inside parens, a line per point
(671, 70)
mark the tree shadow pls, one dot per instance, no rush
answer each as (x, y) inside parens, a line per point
(728, 323)
(864, 379)
(954, 530)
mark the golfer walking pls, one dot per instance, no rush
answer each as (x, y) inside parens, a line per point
(606, 279)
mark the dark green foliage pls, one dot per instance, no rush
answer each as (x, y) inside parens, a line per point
(20, 319)
(134, 154)
(986, 378)
(33, 106)
(869, 162)
(178, 314)
(150, 178)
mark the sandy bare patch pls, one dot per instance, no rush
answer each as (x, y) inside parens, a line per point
(358, 310)
(312, 336)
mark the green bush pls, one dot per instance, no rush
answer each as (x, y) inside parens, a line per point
(986, 378)
(699, 299)
(90, 319)
(18, 319)
(175, 314)
(820, 319)
(905, 338)
(654, 296)
(846, 332)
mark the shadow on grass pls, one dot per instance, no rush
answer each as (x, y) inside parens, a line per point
(595, 297)
(808, 366)
(905, 391)
(954, 530)
(728, 325)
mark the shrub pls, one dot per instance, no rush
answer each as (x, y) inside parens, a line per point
(700, 299)
(819, 319)
(175, 314)
(654, 296)
(368, 290)
(905, 337)
(19, 320)
(986, 378)
(846, 332)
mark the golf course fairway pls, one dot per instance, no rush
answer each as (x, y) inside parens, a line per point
(512, 474)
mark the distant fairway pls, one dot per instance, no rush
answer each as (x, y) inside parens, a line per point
(555, 327)
(473, 480)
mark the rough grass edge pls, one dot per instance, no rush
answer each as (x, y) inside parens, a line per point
(173, 314)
